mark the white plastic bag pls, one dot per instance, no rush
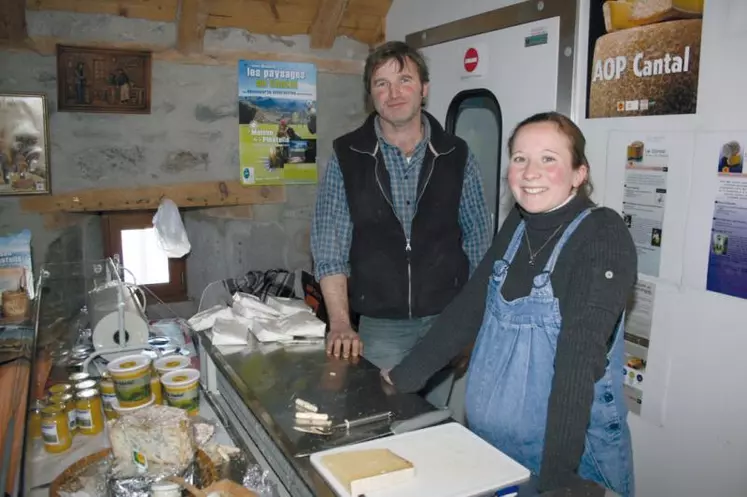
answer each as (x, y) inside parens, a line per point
(170, 232)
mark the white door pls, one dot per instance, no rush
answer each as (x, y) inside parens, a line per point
(510, 77)
(513, 75)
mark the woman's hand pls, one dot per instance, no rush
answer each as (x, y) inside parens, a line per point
(386, 383)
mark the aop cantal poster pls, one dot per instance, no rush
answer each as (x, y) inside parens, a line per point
(644, 57)
(277, 122)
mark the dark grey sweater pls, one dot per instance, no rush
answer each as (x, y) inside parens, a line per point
(590, 304)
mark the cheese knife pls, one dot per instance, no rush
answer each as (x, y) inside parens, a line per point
(397, 427)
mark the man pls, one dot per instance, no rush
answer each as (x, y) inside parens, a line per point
(400, 219)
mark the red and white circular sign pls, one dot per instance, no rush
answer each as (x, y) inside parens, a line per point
(471, 58)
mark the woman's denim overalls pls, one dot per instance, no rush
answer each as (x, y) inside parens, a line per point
(511, 371)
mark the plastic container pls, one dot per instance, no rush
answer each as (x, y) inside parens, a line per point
(127, 410)
(181, 389)
(170, 363)
(90, 412)
(55, 429)
(165, 489)
(131, 376)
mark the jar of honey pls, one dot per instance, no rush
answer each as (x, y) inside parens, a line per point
(108, 396)
(34, 421)
(78, 377)
(90, 412)
(55, 429)
(85, 385)
(155, 387)
(68, 402)
(60, 388)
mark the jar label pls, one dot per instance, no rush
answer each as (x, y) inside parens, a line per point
(109, 399)
(72, 418)
(49, 434)
(85, 420)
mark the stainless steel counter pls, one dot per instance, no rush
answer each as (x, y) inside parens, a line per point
(267, 378)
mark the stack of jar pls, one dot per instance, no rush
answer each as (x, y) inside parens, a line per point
(71, 408)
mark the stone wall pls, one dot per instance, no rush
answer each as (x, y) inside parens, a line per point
(191, 135)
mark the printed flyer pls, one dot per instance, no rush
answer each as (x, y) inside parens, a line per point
(644, 57)
(639, 317)
(645, 197)
(277, 122)
(727, 258)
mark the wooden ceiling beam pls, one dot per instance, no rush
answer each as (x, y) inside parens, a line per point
(48, 46)
(328, 18)
(193, 16)
(13, 20)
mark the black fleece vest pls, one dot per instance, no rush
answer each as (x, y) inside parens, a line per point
(391, 278)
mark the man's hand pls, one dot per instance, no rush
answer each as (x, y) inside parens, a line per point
(343, 342)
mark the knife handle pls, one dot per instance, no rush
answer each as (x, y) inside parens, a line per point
(421, 421)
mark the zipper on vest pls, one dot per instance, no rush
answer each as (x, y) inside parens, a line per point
(408, 251)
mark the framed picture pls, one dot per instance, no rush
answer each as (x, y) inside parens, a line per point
(103, 80)
(24, 144)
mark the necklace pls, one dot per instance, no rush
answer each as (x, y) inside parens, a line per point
(533, 256)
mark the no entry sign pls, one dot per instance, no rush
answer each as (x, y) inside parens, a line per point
(471, 58)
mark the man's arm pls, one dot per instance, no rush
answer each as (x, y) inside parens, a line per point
(474, 215)
(331, 235)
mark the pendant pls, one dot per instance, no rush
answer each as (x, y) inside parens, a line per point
(531, 260)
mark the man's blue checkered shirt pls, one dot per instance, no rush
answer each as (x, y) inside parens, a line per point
(332, 229)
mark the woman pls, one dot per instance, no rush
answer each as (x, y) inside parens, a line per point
(545, 307)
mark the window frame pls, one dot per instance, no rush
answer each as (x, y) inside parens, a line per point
(112, 225)
(452, 116)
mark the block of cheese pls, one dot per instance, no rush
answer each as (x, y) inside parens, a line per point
(625, 14)
(156, 435)
(371, 470)
(651, 11)
(647, 70)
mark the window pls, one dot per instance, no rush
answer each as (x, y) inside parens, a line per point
(130, 238)
(475, 116)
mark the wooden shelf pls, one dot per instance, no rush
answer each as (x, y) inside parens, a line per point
(207, 194)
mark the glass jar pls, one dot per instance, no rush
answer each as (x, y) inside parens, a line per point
(55, 429)
(108, 396)
(78, 377)
(86, 385)
(34, 421)
(60, 388)
(90, 412)
(67, 400)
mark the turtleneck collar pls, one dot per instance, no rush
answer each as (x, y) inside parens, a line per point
(554, 218)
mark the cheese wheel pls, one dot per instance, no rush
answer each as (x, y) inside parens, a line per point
(651, 11)
(647, 70)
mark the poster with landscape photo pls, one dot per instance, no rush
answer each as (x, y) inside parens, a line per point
(277, 122)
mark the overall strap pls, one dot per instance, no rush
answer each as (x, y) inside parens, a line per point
(550, 266)
(513, 247)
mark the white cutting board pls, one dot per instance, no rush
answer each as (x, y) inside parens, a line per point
(450, 461)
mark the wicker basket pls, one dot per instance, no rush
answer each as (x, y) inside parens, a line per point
(204, 466)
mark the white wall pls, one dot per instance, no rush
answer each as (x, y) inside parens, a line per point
(699, 338)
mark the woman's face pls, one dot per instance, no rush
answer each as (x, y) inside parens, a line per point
(541, 174)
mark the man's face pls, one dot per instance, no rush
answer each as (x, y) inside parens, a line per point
(21, 130)
(397, 93)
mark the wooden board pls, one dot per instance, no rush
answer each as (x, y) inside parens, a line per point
(208, 194)
(47, 46)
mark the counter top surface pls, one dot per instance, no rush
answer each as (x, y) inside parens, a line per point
(269, 377)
